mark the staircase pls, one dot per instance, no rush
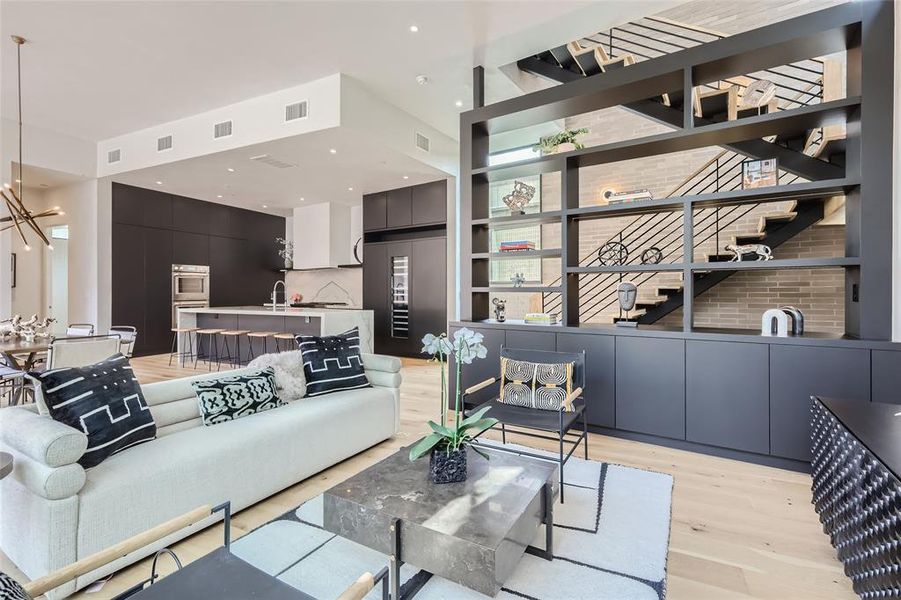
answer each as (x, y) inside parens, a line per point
(808, 155)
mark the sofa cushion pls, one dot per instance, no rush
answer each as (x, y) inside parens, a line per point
(103, 400)
(289, 375)
(233, 396)
(242, 461)
(332, 363)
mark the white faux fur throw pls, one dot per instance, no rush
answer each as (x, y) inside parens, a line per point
(289, 378)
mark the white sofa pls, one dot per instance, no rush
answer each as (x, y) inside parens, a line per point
(53, 512)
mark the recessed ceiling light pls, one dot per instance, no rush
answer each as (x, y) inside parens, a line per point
(265, 206)
(333, 151)
(302, 198)
(422, 79)
(219, 196)
(406, 176)
(350, 189)
(230, 170)
(159, 183)
(458, 103)
(18, 181)
(414, 28)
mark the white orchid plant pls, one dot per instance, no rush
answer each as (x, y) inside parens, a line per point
(287, 249)
(465, 346)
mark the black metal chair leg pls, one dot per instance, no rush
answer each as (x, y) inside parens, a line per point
(585, 432)
(561, 467)
(174, 346)
(503, 434)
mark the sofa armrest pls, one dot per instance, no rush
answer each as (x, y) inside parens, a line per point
(40, 438)
(52, 483)
(381, 362)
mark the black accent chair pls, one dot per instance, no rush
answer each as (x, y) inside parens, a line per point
(553, 425)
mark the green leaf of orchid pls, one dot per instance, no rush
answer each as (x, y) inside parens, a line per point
(424, 446)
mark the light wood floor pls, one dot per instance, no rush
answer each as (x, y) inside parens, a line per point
(738, 530)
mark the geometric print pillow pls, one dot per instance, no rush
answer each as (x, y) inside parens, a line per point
(332, 363)
(104, 401)
(235, 396)
(10, 589)
(535, 385)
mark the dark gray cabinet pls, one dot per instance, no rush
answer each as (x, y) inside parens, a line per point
(190, 248)
(532, 340)
(375, 211)
(428, 289)
(600, 375)
(376, 294)
(726, 395)
(429, 203)
(399, 208)
(886, 376)
(799, 372)
(650, 386)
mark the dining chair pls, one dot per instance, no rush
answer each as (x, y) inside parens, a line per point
(81, 351)
(127, 336)
(80, 329)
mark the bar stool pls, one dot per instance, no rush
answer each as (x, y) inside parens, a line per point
(279, 337)
(255, 335)
(212, 345)
(233, 359)
(180, 356)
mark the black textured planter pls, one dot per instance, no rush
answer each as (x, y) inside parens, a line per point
(447, 467)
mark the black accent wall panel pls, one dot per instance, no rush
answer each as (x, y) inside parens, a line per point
(151, 230)
(600, 375)
(799, 372)
(726, 395)
(650, 386)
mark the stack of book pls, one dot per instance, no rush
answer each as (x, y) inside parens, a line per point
(517, 246)
(541, 318)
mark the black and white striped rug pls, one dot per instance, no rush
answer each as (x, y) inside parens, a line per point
(611, 539)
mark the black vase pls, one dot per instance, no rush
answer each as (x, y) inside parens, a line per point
(447, 467)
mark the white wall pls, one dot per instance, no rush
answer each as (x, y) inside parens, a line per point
(27, 296)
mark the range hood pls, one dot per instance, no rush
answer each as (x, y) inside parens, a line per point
(324, 235)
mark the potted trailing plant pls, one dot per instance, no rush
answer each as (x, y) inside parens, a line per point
(565, 141)
(286, 251)
(446, 445)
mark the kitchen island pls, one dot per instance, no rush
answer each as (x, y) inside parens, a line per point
(306, 321)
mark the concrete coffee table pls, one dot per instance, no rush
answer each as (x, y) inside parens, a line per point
(473, 533)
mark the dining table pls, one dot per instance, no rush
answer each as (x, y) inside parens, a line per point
(21, 354)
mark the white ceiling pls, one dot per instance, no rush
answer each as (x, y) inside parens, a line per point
(318, 177)
(98, 69)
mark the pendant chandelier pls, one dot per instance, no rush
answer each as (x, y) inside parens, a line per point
(18, 214)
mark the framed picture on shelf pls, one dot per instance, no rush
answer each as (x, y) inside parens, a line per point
(759, 173)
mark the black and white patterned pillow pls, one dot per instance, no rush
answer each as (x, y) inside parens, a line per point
(535, 385)
(332, 363)
(10, 589)
(235, 396)
(103, 400)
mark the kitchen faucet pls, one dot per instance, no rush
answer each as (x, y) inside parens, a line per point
(275, 294)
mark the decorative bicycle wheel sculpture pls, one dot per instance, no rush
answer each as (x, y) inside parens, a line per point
(613, 254)
(651, 256)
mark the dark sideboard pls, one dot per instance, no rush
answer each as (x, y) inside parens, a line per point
(856, 449)
(734, 395)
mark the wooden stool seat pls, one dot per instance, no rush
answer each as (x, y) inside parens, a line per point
(185, 329)
(232, 332)
(284, 336)
(209, 331)
(261, 334)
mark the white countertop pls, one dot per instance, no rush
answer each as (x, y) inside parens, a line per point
(269, 311)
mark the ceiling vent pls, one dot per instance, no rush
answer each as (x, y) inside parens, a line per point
(422, 142)
(272, 161)
(164, 143)
(223, 129)
(295, 111)
(114, 156)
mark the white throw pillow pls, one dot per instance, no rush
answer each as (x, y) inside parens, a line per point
(289, 377)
